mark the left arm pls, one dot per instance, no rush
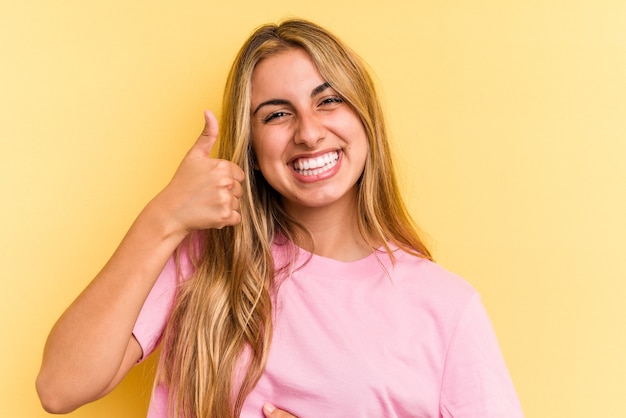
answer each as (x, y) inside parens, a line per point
(476, 382)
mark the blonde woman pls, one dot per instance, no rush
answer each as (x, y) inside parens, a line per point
(284, 277)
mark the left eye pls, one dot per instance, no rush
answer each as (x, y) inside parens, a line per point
(331, 100)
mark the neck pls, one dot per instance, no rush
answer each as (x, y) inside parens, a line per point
(334, 230)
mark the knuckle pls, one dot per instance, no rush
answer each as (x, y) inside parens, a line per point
(222, 165)
(237, 190)
(228, 182)
(223, 198)
(224, 213)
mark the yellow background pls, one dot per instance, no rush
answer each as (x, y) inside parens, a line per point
(508, 119)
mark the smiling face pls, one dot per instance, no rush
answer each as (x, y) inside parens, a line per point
(309, 144)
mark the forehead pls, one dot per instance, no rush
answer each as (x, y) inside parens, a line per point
(285, 71)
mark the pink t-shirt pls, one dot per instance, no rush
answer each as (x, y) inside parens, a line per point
(367, 339)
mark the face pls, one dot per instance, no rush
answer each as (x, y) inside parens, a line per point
(309, 144)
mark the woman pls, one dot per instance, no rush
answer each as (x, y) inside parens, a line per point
(299, 279)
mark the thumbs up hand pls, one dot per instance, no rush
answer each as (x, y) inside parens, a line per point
(204, 192)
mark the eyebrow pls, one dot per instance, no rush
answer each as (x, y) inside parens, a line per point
(278, 102)
(317, 90)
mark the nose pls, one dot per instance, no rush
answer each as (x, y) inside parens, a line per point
(310, 131)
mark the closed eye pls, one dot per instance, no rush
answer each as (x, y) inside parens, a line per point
(331, 100)
(274, 116)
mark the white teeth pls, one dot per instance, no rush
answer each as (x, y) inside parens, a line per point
(315, 166)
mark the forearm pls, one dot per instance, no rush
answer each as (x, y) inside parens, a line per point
(88, 344)
(91, 348)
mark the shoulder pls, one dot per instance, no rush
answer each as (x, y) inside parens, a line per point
(433, 281)
(434, 298)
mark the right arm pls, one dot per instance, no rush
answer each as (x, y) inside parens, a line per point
(91, 348)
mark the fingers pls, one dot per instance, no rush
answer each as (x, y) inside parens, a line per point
(224, 194)
(205, 191)
(238, 173)
(270, 411)
(207, 140)
(208, 137)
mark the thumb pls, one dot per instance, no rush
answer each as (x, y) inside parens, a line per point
(270, 411)
(208, 137)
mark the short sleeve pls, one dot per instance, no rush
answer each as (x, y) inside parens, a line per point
(158, 306)
(476, 382)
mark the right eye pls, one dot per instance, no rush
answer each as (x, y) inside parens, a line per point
(275, 115)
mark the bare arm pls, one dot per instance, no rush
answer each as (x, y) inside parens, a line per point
(91, 348)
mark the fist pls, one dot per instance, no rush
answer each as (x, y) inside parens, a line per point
(204, 193)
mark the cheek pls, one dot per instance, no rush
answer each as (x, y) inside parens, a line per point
(268, 148)
(260, 154)
(364, 153)
(264, 158)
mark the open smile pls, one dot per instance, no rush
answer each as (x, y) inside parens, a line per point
(316, 166)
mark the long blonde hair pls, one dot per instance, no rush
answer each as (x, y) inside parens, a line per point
(225, 309)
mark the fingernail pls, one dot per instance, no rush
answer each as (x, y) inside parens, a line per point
(268, 408)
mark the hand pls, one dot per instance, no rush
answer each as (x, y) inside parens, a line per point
(270, 411)
(204, 193)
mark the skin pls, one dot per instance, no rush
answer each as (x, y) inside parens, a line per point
(91, 348)
(270, 411)
(297, 116)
